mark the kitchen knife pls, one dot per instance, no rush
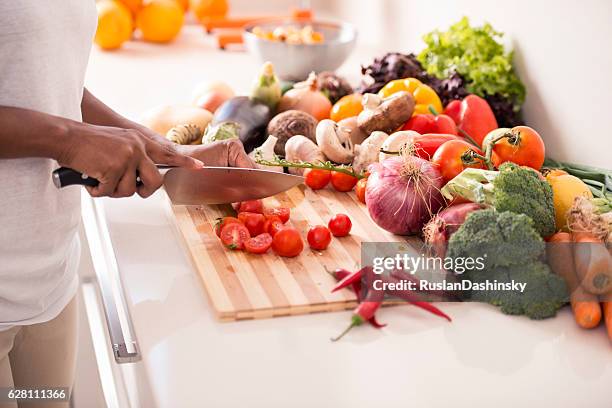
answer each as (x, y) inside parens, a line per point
(209, 185)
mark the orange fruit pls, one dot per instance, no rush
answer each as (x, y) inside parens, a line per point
(114, 24)
(160, 20)
(132, 5)
(207, 9)
(184, 4)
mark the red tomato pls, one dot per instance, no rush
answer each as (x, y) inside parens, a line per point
(281, 212)
(360, 189)
(453, 110)
(524, 146)
(428, 123)
(287, 242)
(319, 237)
(253, 221)
(273, 224)
(317, 179)
(259, 244)
(234, 235)
(454, 156)
(254, 206)
(340, 225)
(222, 222)
(343, 182)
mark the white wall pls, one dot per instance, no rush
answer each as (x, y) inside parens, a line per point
(563, 52)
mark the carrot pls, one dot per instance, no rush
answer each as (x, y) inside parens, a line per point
(585, 305)
(606, 303)
(593, 263)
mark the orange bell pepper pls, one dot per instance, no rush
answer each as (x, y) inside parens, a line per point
(424, 96)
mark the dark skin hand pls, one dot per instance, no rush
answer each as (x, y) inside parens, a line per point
(107, 147)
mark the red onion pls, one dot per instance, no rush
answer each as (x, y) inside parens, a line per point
(444, 224)
(403, 193)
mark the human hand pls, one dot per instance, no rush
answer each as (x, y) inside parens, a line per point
(116, 157)
(224, 153)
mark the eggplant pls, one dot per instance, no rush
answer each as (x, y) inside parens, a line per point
(252, 116)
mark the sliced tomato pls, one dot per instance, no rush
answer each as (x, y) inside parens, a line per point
(287, 242)
(259, 244)
(234, 236)
(222, 222)
(319, 237)
(254, 206)
(273, 224)
(340, 225)
(343, 182)
(360, 189)
(283, 213)
(317, 179)
(253, 221)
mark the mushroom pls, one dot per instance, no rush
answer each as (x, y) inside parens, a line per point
(367, 152)
(301, 149)
(350, 125)
(266, 152)
(334, 142)
(291, 123)
(396, 142)
(386, 114)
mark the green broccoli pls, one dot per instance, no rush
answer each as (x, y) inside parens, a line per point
(512, 188)
(503, 238)
(512, 250)
(544, 292)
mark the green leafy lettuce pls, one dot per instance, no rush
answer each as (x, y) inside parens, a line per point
(477, 55)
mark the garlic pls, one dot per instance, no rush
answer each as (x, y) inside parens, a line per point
(266, 152)
(367, 152)
(396, 142)
(301, 149)
(335, 143)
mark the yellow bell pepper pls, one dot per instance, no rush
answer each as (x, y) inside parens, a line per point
(423, 94)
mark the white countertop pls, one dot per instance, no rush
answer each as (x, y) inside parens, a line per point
(483, 358)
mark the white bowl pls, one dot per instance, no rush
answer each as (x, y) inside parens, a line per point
(293, 62)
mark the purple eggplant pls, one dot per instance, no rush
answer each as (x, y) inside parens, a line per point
(252, 116)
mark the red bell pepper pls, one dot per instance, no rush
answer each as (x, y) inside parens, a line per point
(428, 123)
(426, 145)
(475, 118)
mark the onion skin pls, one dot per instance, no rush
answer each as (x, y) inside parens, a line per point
(402, 204)
(444, 224)
(306, 100)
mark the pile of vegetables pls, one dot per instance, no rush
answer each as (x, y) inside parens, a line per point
(433, 146)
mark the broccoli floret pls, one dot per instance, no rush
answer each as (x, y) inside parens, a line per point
(512, 188)
(502, 238)
(544, 292)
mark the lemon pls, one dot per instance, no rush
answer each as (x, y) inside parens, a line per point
(160, 21)
(114, 24)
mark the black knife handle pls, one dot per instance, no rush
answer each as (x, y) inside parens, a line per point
(64, 177)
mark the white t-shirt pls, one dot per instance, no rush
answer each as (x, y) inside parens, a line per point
(44, 49)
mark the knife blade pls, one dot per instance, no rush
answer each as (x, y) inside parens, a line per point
(208, 185)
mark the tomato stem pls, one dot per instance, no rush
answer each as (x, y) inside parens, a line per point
(514, 139)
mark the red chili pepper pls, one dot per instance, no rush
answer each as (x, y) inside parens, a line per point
(410, 297)
(362, 313)
(348, 280)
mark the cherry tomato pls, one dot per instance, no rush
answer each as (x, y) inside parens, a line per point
(428, 123)
(253, 221)
(317, 179)
(234, 236)
(343, 182)
(453, 110)
(273, 224)
(281, 212)
(340, 225)
(259, 244)
(222, 222)
(319, 237)
(360, 189)
(254, 206)
(346, 107)
(454, 156)
(287, 242)
(523, 146)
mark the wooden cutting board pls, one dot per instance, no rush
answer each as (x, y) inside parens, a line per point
(246, 286)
